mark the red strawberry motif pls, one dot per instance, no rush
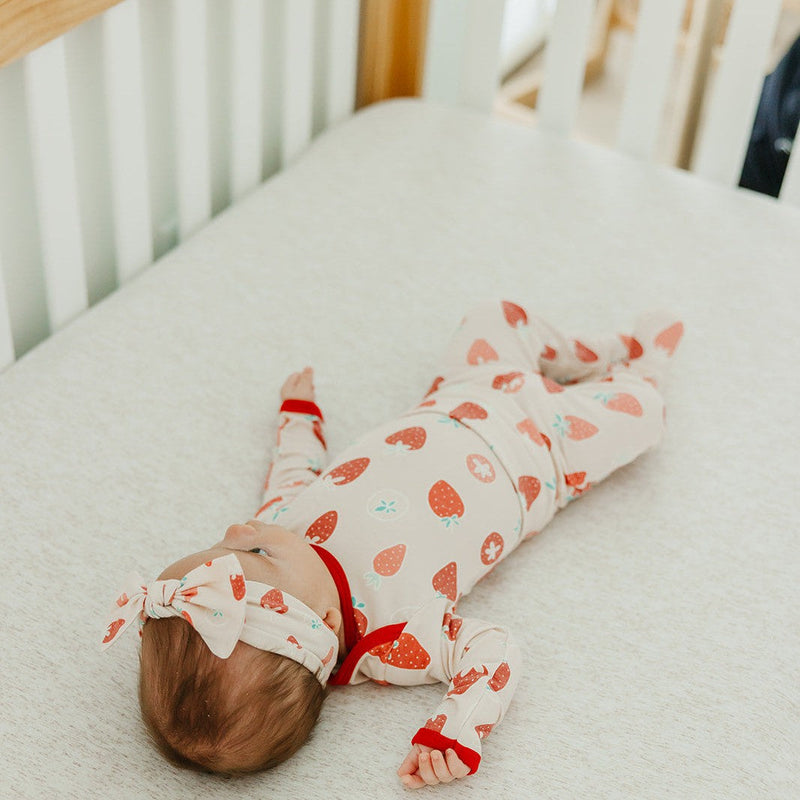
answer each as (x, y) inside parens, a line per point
(509, 383)
(575, 478)
(584, 353)
(500, 677)
(575, 428)
(122, 599)
(347, 472)
(328, 657)
(445, 502)
(322, 527)
(575, 481)
(462, 682)
(626, 403)
(389, 561)
(238, 586)
(405, 652)
(492, 548)
(451, 625)
(483, 730)
(480, 352)
(548, 354)
(113, 630)
(268, 504)
(480, 468)
(317, 426)
(530, 488)
(635, 350)
(294, 641)
(445, 581)
(185, 615)
(427, 403)
(412, 438)
(362, 623)
(274, 599)
(434, 385)
(528, 428)
(468, 411)
(514, 314)
(437, 723)
(547, 441)
(551, 385)
(669, 338)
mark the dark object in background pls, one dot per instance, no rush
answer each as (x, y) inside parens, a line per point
(775, 127)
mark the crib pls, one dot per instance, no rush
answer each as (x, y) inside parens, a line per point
(192, 208)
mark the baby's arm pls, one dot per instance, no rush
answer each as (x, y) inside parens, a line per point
(483, 666)
(300, 454)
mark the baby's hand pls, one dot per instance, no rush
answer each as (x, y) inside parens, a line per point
(425, 766)
(299, 386)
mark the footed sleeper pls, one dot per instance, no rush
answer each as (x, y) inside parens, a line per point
(520, 421)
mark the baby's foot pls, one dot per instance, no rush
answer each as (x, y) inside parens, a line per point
(655, 337)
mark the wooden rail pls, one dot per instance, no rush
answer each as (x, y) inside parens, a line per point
(28, 24)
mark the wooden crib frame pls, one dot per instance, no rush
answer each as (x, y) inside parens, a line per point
(82, 170)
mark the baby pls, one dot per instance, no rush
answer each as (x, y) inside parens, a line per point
(353, 572)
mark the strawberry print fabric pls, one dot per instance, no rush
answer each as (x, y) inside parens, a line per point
(520, 421)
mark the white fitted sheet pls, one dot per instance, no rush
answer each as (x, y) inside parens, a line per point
(658, 615)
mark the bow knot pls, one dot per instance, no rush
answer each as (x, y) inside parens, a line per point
(202, 598)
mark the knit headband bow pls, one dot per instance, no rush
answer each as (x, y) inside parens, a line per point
(217, 601)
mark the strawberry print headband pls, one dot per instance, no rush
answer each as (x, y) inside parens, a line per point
(224, 608)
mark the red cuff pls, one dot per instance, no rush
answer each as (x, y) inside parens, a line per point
(302, 407)
(435, 740)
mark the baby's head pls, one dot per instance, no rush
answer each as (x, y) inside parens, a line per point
(248, 712)
(217, 709)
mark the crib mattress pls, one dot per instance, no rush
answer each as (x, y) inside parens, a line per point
(658, 616)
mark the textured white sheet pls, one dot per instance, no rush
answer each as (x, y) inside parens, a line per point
(659, 615)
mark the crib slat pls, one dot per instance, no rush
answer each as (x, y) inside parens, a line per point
(122, 60)
(447, 30)
(191, 112)
(247, 36)
(55, 182)
(342, 60)
(480, 65)
(651, 66)
(565, 60)
(736, 90)
(6, 340)
(298, 73)
(790, 188)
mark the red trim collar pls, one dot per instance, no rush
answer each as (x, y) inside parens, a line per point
(351, 636)
(388, 633)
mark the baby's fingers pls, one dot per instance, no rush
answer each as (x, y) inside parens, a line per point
(457, 767)
(440, 767)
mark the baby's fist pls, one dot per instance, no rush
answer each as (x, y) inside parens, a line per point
(299, 386)
(424, 766)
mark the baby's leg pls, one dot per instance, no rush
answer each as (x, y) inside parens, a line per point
(508, 333)
(599, 426)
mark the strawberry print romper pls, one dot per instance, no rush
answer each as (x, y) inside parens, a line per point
(520, 421)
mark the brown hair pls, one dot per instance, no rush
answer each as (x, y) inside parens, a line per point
(246, 713)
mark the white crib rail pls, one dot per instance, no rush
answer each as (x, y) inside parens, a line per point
(141, 124)
(790, 189)
(565, 60)
(737, 89)
(463, 52)
(55, 183)
(122, 60)
(6, 341)
(646, 91)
